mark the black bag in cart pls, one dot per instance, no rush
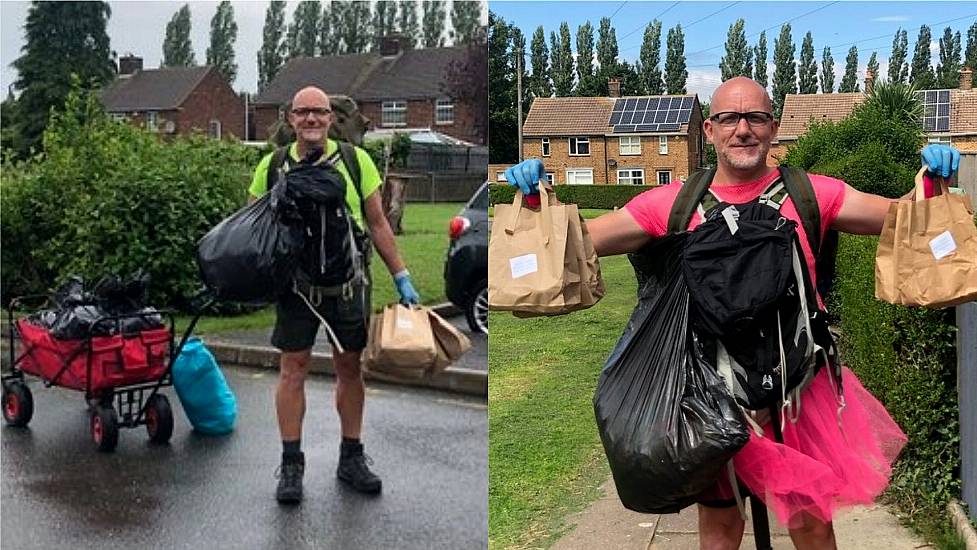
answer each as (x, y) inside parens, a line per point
(666, 419)
(251, 256)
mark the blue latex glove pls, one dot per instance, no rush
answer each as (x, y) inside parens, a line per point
(405, 287)
(526, 176)
(942, 160)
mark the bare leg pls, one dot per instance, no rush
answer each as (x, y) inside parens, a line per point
(350, 393)
(720, 528)
(290, 395)
(813, 535)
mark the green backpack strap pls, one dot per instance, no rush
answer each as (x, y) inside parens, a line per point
(274, 167)
(805, 202)
(688, 199)
(348, 153)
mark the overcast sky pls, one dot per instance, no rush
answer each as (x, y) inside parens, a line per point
(139, 27)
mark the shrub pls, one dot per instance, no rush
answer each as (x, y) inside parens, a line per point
(109, 198)
(584, 196)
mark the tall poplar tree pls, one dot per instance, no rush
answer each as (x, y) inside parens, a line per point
(270, 56)
(407, 23)
(354, 26)
(307, 19)
(606, 46)
(177, 49)
(384, 19)
(873, 66)
(540, 84)
(503, 146)
(464, 21)
(588, 82)
(827, 72)
(970, 54)
(784, 73)
(562, 61)
(948, 70)
(650, 73)
(849, 82)
(898, 68)
(807, 69)
(223, 34)
(738, 54)
(433, 23)
(760, 59)
(676, 74)
(920, 72)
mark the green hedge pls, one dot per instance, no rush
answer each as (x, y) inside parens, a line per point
(584, 196)
(906, 357)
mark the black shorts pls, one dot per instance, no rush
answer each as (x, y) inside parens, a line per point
(347, 313)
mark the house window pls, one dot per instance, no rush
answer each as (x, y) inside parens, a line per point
(444, 111)
(545, 145)
(579, 146)
(215, 129)
(119, 117)
(580, 176)
(393, 113)
(945, 140)
(550, 178)
(662, 145)
(152, 121)
(664, 177)
(631, 176)
(500, 175)
(630, 145)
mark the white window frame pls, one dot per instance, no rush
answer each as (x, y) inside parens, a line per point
(945, 140)
(574, 173)
(393, 114)
(551, 178)
(575, 143)
(500, 175)
(662, 145)
(632, 175)
(444, 111)
(658, 176)
(544, 146)
(211, 126)
(152, 121)
(632, 147)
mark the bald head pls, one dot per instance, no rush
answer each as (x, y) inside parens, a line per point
(740, 94)
(310, 117)
(310, 96)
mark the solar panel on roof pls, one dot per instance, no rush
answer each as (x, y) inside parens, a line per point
(642, 104)
(619, 105)
(615, 118)
(686, 102)
(649, 114)
(647, 128)
(624, 129)
(668, 127)
(631, 103)
(672, 116)
(936, 110)
(943, 124)
(653, 104)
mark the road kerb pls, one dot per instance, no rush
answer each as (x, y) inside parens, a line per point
(962, 524)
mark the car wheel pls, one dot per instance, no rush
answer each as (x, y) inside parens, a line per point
(477, 311)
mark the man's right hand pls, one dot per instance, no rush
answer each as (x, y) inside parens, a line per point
(526, 176)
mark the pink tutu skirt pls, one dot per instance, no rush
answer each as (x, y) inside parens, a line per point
(822, 465)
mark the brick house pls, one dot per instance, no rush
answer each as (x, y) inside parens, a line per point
(613, 140)
(175, 100)
(950, 116)
(394, 88)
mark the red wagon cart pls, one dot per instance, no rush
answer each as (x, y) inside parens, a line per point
(119, 372)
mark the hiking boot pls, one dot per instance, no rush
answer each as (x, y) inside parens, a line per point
(354, 469)
(289, 476)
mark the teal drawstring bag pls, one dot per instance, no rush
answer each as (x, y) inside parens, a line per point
(207, 400)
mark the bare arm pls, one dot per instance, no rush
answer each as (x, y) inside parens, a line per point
(616, 233)
(383, 236)
(861, 213)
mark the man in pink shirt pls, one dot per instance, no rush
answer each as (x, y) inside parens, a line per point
(741, 128)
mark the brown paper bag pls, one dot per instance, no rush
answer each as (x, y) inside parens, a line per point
(403, 342)
(927, 253)
(452, 343)
(591, 283)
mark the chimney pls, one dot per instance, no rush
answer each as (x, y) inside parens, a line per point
(390, 45)
(614, 87)
(129, 65)
(869, 81)
(966, 78)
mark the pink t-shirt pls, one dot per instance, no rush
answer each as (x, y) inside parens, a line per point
(652, 208)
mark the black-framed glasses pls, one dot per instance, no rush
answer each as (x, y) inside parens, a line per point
(303, 112)
(729, 119)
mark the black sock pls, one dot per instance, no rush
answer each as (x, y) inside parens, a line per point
(292, 448)
(351, 441)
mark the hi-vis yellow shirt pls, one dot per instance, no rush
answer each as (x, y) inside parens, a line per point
(369, 177)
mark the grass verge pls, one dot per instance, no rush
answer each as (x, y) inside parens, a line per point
(545, 456)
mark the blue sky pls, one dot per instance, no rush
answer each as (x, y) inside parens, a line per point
(868, 25)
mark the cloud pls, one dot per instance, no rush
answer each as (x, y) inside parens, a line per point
(890, 18)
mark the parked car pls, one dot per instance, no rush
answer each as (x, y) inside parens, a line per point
(466, 267)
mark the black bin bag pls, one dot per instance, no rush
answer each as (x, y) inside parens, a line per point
(667, 422)
(251, 256)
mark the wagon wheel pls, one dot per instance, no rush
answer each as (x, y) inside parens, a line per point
(159, 419)
(18, 403)
(104, 425)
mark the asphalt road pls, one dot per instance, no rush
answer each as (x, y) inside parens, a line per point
(430, 448)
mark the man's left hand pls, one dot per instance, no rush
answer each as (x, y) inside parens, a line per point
(942, 160)
(405, 287)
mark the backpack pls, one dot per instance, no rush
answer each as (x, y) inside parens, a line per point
(335, 248)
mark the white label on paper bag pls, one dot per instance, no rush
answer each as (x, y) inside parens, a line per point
(731, 214)
(943, 245)
(523, 265)
(404, 323)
